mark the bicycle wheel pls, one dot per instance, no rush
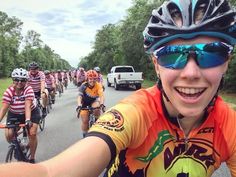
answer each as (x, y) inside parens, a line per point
(12, 154)
(42, 123)
(91, 120)
(27, 153)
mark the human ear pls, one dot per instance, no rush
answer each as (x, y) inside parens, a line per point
(154, 60)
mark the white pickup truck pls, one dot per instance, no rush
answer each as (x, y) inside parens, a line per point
(124, 76)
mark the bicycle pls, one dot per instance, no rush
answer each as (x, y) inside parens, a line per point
(59, 88)
(92, 118)
(18, 149)
(49, 103)
(42, 119)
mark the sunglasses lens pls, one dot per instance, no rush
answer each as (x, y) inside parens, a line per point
(18, 80)
(210, 60)
(207, 55)
(173, 61)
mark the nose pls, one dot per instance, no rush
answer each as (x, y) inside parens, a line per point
(191, 71)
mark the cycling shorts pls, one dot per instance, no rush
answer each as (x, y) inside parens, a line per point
(86, 104)
(35, 116)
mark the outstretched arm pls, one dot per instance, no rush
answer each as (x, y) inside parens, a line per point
(86, 158)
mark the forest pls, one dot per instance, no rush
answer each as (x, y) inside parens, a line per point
(115, 44)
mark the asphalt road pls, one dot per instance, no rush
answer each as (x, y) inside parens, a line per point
(63, 128)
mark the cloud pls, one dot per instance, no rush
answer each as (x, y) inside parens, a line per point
(68, 27)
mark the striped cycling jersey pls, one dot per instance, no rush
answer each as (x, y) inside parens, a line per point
(81, 76)
(17, 102)
(100, 78)
(49, 81)
(145, 142)
(35, 81)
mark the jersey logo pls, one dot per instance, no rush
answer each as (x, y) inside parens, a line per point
(157, 147)
(112, 121)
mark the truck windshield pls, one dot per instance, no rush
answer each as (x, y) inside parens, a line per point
(124, 69)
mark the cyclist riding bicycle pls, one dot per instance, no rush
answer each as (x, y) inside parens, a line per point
(37, 82)
(81, 76)
(90, 94)
(100, 77)
(51, 84)
(179, 127)
(59, 80)
(19, 101)
(65, 78)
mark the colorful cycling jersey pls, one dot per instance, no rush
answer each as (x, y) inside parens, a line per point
(145, 142)
(17, 102)
(90, 94)
(35, 80)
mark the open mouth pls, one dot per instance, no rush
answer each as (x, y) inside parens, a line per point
(190, 92)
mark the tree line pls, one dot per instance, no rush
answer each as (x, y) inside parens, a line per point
(122, 44)
(17, 50)
(114, 44)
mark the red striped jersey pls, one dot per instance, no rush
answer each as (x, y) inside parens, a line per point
(49, 81)
(35, 80)
(17, 102)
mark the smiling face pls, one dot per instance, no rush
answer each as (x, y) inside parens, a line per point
(19, 83)
(190, 89)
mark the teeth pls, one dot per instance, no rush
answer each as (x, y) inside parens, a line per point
(190, 90)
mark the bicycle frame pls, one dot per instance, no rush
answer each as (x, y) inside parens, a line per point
(92, 118)
(15, 147)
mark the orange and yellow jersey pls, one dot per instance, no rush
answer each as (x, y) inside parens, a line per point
(145, 142)
(90, 94)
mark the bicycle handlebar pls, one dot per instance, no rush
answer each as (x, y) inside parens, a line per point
(11, 125)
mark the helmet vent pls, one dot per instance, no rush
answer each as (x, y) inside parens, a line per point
(155, 20)
(175, 14)
(160, 11)
(157, 32)
(201, 9)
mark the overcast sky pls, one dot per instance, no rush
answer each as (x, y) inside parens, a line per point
(67, 26)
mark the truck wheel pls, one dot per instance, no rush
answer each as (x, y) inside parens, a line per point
(116, 86)
(108, 83)
(138, 86)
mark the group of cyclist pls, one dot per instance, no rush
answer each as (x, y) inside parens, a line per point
(20, 98)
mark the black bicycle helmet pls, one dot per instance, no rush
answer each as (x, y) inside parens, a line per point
(214, 18)
(33, 65)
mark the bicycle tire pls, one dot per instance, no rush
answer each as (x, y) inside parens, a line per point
(42, 123)
(91, 120)
(27, 153)
(10, 154)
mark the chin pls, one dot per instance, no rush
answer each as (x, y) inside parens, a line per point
(192, 112)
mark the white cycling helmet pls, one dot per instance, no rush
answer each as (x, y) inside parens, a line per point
(97, 69)
(20, 73)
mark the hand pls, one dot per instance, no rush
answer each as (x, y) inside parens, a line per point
(28, 123)
(78, 110)
(103, 107)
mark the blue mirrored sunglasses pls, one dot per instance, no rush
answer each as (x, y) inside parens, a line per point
(206, 55)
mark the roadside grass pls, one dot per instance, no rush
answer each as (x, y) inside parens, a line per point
(4, 83)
